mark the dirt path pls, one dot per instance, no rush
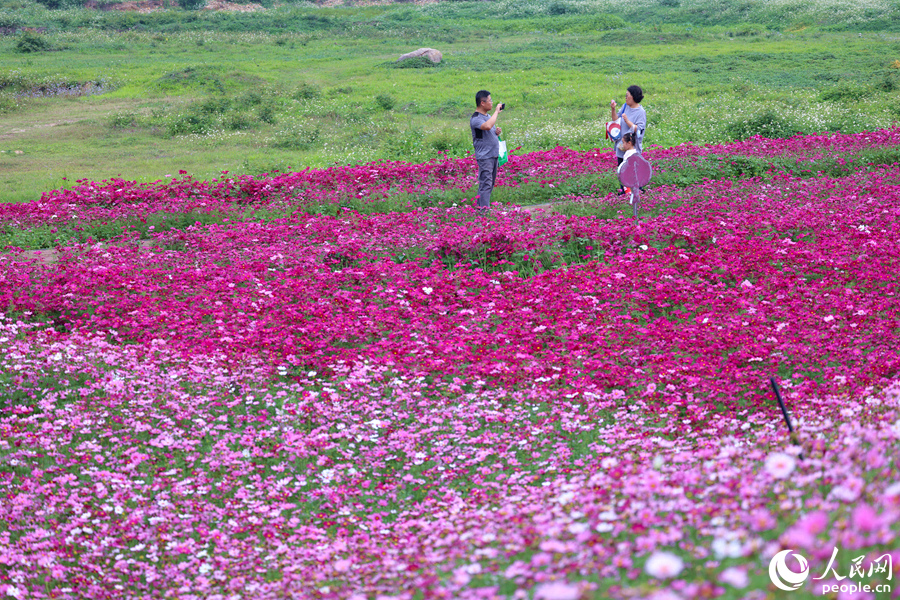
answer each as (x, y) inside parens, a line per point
(544, 206)
(8, 135)
(50, 256)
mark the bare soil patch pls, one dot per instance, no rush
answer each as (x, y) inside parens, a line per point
(50, 256)
(7, 135)
(220, 5)
(139, 6)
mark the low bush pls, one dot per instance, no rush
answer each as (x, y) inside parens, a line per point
(768, 124)
(123, 120)
(306, 91)
(190, 123)
(30, 41)
(191, 4)
(845, 92)
(416, 62)
(301, 136)
(385, 101)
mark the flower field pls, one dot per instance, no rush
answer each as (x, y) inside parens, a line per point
(433, 404)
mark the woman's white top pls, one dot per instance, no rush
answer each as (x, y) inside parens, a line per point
(625, 157)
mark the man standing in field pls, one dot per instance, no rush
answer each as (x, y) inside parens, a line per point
(486, 140)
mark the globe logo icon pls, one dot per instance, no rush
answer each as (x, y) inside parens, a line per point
(782, 576)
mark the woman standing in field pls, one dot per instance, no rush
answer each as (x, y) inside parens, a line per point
(634, 120)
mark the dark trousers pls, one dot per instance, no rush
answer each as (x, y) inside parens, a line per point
(618, 163)
(487, 177)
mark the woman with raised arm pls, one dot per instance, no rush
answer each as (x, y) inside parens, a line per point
(634, 120)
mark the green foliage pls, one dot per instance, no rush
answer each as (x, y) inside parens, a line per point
(191, 4)
(449, 21)
(449, 142)
(79, 232)
(9, 20)
(306, 91)
(416, 62)
(240, 121)
(8, 104)
(749, 29)
(385, 101)
(190, 123)
(301, 136)
(206, 78)
(558, 8)
(29, 41)
(124, 120)
(846, 92)
(890, 82)
(266, 114)
(881, 156)
(767, 124)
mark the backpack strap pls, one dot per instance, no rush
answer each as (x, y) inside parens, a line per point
(478, 133)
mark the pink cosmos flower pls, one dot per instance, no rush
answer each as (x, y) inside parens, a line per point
(558, 590)
(663, 565)
(342, 565)
(864, 518)
(814, 522)
(850, 490)
(780, 465)
(735, 577)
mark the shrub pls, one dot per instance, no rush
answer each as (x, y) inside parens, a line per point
(890, 82)
(8, 104)
(212, 106)
(191, 4)
(843, 93)
(303, 136)
(385, 101)
(9, 20)
(306, 91)
(123, 120)
(190, 123)
(266, 114)
(749, 29)
(768, 124)
(240, 121)
(249, 98)
(416, 62)
(557, 8)
(450, 142)
(31, 42)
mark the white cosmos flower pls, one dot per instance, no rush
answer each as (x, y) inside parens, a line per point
(780, 465)
(663, 565)
(892, 491)
(727, 547)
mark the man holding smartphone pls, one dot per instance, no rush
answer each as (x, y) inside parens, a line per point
(486, 141)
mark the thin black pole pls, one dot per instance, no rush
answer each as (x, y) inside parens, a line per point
(784, 411)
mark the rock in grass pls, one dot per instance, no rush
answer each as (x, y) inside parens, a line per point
(431, 54)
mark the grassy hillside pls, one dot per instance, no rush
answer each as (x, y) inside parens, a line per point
(91, 94)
